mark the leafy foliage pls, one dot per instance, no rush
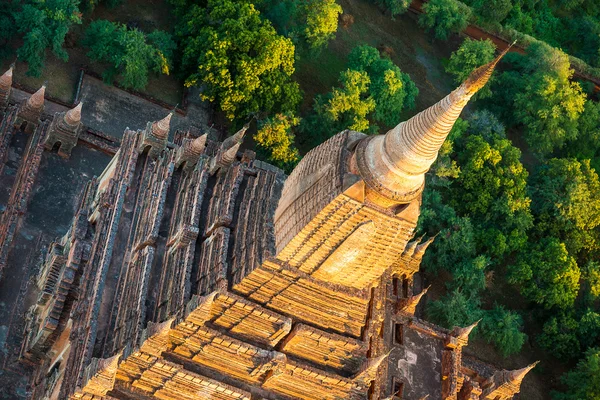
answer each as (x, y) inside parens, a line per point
(470, 55)
(321, 21)
(238, 58)
(130, 53)
(584, 381)
(276, 138)
(392, 90)
(454, 309)
(444, 17)
(394, 6)
(547, 274)
(503, 328)
(492, 189)
(43, 25)
(567, 203)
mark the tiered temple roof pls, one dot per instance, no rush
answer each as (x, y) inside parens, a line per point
(193, 270)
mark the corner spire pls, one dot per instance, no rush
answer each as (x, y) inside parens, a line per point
(6, 78)
(160, 128)
(73, 116)
(517, 376)
(36, 101)
(394, 165)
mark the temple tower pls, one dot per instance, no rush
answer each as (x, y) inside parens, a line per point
(5, 87)
(156, 135)
(64, 131)
(30, 111)
(503, 385)
(312, 319)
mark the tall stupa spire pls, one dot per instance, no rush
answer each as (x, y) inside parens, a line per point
(394, 165)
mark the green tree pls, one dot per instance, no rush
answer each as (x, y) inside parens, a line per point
(485, 124)
(492, 189)
(587, 143)
(584, 381)
(238, 58)
(131, 53)
(549, 104)
(276, 138)
(492, 11)
(454, 309)
(566, 202)
(559, 336)
(445, 17)
(394, 6)
(455, 241)
(321, 21)
(503, 328)
(470, 55)
(547, 274)
(391, 89)
(468, 276)
(44, 25)
(350, 104)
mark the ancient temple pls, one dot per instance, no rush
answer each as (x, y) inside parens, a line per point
(194, 271)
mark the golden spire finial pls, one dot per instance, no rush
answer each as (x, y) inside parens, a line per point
(516, 376)
(160, 128)
(394, 165)
(482, 75)
(463, 333)
(73, 116)
(37, 99)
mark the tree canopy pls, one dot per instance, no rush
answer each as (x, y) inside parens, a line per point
(444, 17)
(43, 25)
(238, 58)
(470, 55)
(130, 52)
(584, 381)
(275, 137)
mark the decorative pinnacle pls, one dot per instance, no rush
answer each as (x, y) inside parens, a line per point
(110, 365)
(420, 250)
(37, 99)
(73, 116)
(482, 75)
(6, 78)
(394, 165)
(410, 305)
(160, 128)
(236, 138)
(411, 246)
(198, 144)
(517, 376)
(463, 333)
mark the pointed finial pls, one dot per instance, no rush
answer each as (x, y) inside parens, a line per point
(517, 376)
(73, 116)
(37, 99)
(110, 365)
(369, 372)
(198, 144)
(482, 75)
(411, 246)
(160, 328)
(160, 128)
(6, 78)
(420, 250)
(410, 304)
(236, 138)
(393, 166)
(463, 333)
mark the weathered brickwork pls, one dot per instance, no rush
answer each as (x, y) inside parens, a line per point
(193, 271)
